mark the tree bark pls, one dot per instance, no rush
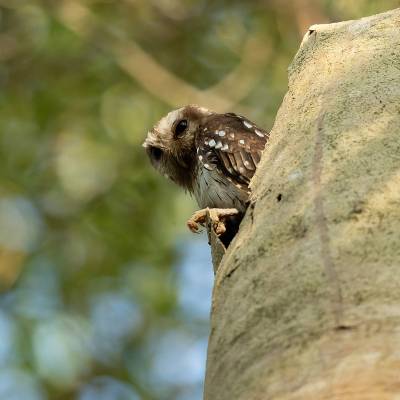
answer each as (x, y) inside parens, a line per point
(306, 302)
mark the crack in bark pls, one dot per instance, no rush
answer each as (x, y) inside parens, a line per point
(326, 254)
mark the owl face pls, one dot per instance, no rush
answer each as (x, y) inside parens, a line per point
(170, 145)
(212, 155)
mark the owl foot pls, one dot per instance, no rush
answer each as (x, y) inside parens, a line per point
(216, 217)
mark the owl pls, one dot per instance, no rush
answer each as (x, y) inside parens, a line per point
(213, 156)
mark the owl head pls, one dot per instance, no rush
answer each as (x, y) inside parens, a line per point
(170, 145)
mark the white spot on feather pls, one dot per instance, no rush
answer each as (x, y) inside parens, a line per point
(212, 143)
(259, 133)
(232, 135)
(246, 163)
(241, 141)
(207, 166)
(225, 147)
(221, 133)
(247, 124)
(241, 170)
(218, 145)
(201, 158)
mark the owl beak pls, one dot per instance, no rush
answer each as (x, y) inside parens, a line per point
(149, 141)
(152, 141)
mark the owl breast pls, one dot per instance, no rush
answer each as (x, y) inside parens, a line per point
(215, 190)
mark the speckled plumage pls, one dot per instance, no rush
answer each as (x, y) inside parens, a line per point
(214, 157)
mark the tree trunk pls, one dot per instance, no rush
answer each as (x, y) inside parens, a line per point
(306, 302)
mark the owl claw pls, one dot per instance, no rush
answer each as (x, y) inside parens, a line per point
(216, 216)
(197, 219)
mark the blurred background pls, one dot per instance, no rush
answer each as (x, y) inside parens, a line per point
(104, 294)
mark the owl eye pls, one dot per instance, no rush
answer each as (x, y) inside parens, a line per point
(155, 153)
(181, 127)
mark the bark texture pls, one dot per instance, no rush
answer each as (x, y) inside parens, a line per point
(306, 302)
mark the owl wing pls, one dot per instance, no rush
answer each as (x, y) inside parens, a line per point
(231, 144)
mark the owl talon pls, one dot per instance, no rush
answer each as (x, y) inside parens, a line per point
(197, 219)
(216, 216)
(193, 226)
